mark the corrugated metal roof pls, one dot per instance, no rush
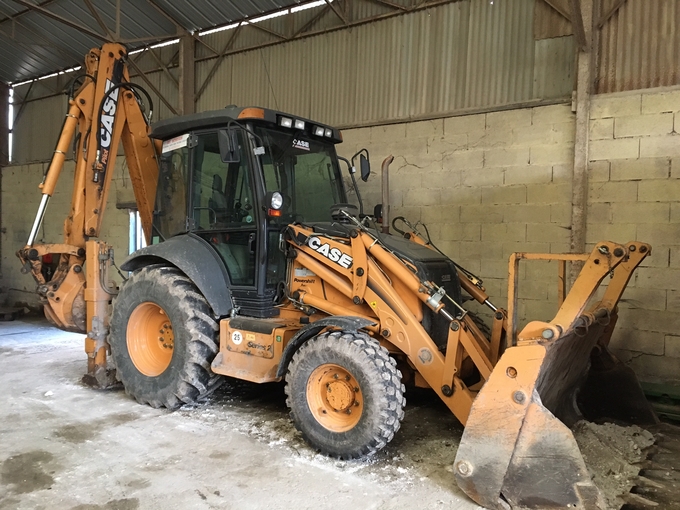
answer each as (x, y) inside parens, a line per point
(38, 38)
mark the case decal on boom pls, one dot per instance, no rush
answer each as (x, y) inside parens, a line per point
(332, 254)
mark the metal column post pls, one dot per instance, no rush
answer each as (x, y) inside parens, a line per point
(187, 81)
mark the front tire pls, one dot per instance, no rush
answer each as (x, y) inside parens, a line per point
(345, 394)
(163, 339)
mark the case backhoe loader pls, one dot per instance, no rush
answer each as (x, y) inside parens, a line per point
(257, 268)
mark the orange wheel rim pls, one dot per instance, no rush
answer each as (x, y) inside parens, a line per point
(150, 339)
(334, 398)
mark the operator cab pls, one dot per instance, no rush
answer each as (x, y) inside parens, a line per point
(234, 178)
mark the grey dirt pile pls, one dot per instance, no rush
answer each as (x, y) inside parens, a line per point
(614, 455)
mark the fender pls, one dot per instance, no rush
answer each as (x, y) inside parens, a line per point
(313, 329)
(195, 258)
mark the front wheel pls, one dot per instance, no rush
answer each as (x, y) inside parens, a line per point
(345, 394)
(163, 339)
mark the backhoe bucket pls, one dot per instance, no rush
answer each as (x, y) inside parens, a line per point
(517, 450)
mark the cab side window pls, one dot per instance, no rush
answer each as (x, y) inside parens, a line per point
(222, 194)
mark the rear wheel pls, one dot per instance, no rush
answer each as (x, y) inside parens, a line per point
(345, 394)
(163, 339)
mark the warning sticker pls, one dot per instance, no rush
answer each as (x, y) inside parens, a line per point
(175, 143)
(236, 338)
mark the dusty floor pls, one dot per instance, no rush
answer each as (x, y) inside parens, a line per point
(66, 446)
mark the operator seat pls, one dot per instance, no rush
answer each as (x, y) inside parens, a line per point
(218, 201)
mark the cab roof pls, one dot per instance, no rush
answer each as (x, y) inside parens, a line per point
(175, 126)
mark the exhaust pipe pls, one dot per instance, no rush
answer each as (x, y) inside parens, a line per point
(385, 173)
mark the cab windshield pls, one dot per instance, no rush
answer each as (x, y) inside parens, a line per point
(305, 171)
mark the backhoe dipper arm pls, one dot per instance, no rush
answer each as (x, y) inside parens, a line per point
(105, 110)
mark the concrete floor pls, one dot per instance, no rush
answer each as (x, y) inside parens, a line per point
(66, 446)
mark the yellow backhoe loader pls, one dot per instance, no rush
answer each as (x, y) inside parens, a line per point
(258, 268)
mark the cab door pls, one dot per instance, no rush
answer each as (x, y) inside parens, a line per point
(222, 210)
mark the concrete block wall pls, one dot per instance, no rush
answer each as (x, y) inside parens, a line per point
(486, 185)
(635, 195)
(490, 184)
(20, 200)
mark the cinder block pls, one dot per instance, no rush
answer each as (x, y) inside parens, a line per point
(462, 195)
(437, 214)
(657, 278)
(660, 256)
(425, 128)
(534, 135)
(659, 234)
(674, 256)
(637, 169)
(564, 133)
(616, 232)
(675, 168)
(659, 190)
(422, 196)
(648, 342)
(675, 212)
(437, 146)
(461, 232)
(650, 320)
(660, 146)
(643, 125)
(494, 268)
(483, 177)
(355, 136)
(661, 102)
(554, 193)
(491, 138)
(483, 250)
(506, 157)
(508, 119)
(407, 177)
(673, 300)
(528, 174)
(464, 124)
(526, 213)
(599, 212)
(553, 114)
(562, 173)
(598, 171)
(511, 247)
(614, 149)
(504, 195)
(640, 212)
(604, 106)
(602, 129)
(388, 134)
(547, 233)
(647, 299)
(621, 191)
(482, 213)
(500, 232)
(561, 214)
(463, 159)
(551, 154)
(656, 369)
(672, 346)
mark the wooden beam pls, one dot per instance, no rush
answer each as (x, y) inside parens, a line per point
(164, 67)
(577, 24)
(337, 11)
(584, 86)
(63, 20)
(612, 10)
(219, 60)
(144, 77)
(187, 76)
(99, 19)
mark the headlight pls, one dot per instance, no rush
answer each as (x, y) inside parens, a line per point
(285, 122)
(299, 124)
(277, 201)
(329, 132)
(319, 130)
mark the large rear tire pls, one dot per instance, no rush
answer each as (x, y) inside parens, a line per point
(163, 339)
(345, 394)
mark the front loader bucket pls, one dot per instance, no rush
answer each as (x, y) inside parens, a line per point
(517, 450)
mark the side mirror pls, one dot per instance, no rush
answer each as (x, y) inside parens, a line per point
(377, 213)
(365, 166)
(228, 141)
